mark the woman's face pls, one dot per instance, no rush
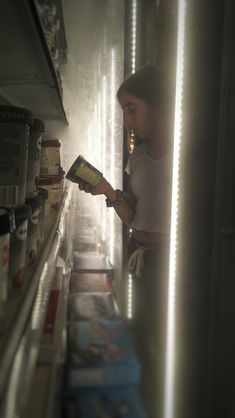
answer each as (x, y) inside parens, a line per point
(138, 115)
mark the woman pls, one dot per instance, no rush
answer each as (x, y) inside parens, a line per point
(146, 209)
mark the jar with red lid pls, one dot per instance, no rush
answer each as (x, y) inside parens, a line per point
(50, 163)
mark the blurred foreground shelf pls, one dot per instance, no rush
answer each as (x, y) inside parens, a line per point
(20, 343)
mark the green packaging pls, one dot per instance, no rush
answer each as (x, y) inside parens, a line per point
(82, 170)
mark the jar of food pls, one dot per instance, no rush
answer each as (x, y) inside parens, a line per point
(54, 189)
(34, 154)
(81, 169)
(35, 205)
(6, 227)
(18, 240)
(41, 233)
(50, 163)
(14, 136)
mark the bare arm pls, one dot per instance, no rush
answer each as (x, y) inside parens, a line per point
(125, 209)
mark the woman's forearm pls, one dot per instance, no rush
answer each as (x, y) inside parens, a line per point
(123, 208)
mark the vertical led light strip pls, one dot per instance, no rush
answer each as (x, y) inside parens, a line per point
(133, 68)
(169, 395)
(133, 35)
(112, 150)
(104, 149)
(130, 295)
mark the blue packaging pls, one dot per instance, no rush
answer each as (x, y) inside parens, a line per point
(111, 403)
(100, 354)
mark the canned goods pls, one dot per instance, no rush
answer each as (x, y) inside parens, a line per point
(35, 205)
(34, 154)
(41, 233)
(6, 227)
(53, 186)
(18, 240)
(14, 136)
(50, 158)
(82, 170)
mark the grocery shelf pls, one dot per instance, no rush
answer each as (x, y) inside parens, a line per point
(28, 77)
(25, 315)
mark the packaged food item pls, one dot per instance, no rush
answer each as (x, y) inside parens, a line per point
(6, 227)
(41, 232)
(34, 154)
(91, 263)
(35, 205)
(50, 163)
(18, 241)
(90, 282)
(100, 354)
(93, 305)
(81, 169)
(53, 186)
(115, 402)
(14, 136)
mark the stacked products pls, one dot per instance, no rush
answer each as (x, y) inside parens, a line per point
(22, 201)
(51, 177)
(102, 372)
(112, 403)
(51, 20)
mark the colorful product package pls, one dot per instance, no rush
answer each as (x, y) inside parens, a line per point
(81, 169)
(90, 282)
(96, 305)
(100, 354)
(109, 402)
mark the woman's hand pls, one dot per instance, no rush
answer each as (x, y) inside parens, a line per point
(103, 187)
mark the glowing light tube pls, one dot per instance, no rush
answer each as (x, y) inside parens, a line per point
(104, 149)
(133, 35)
(130, 297)
(169, 395)
(112, 151)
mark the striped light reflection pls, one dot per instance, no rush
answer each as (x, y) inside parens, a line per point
(169, 395)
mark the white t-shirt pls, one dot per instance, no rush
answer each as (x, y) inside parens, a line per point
(150, 182)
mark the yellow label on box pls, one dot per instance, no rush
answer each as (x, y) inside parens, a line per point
(88, 175)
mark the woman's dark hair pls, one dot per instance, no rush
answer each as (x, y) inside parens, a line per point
(145, 83)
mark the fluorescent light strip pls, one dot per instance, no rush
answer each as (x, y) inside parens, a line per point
(133, 35)
(169, 394)
(130, 297)
(112, 151)
(104, 150)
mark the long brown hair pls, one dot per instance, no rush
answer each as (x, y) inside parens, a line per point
(146, 84)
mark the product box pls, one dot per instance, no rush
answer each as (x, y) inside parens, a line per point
(107, 403)
(51, 332)
(90, 282)
(82, 170)
(85, 262)
(86, 306)
(100, 354)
